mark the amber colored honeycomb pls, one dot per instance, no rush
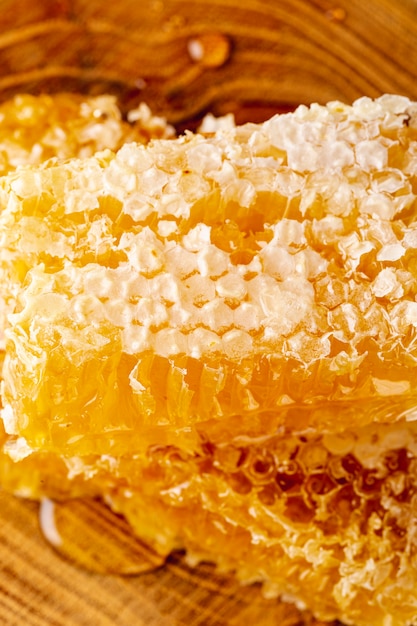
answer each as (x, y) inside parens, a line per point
(217, 335)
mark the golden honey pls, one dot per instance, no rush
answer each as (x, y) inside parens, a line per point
(216, 334)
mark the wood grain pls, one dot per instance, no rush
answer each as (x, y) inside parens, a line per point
(279, 53)
(282, 52)
(40, 588)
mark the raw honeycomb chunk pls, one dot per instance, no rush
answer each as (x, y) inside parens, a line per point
(222, 328)
(325, 519)
(36, 128)
(266, 268)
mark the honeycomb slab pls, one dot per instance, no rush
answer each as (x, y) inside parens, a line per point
(217, 335)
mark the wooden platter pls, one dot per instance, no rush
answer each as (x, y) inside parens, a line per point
(183, 57)
(38, 587)
(189, 56)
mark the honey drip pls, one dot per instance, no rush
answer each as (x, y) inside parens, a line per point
(211, 50)
(86, 532)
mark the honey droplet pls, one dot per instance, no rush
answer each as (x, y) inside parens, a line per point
(210, 50)
(336, 14)
(88, 533)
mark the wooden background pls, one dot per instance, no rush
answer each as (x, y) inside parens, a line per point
(251, 57)
(40, 588)
(261, 55)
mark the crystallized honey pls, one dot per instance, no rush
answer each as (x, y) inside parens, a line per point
(217, 335)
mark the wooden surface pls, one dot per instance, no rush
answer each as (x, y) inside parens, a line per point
(38, 587)
(278, 53)
(251, 57)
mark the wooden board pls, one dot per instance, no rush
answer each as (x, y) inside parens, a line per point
(257, 56)
(184, 57)
(38, 587)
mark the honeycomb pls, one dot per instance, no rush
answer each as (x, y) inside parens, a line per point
(217, 335)
(326, 521)
(36, 128)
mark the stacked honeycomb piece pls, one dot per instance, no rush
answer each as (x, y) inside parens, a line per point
(217, 335)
